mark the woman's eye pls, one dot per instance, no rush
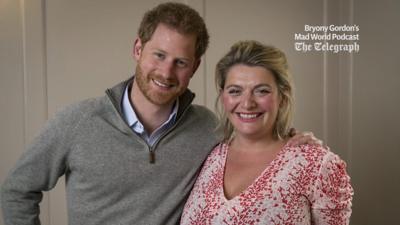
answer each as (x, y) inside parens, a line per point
(233, 91)
(262, 91)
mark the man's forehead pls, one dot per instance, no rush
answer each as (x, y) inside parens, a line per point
(171, 41)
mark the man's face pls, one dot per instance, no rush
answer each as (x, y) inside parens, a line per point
(165, 64)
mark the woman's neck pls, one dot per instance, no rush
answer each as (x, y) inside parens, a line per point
(266, 143)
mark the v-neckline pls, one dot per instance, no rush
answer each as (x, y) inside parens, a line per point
(225, 147)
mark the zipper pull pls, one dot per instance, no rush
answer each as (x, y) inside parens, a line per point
(152, 157)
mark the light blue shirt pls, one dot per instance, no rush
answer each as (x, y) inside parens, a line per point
(133, 122)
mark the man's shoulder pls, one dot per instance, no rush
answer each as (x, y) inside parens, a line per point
(80, 110)
(203, 114)
(84, 106)
(203, 111)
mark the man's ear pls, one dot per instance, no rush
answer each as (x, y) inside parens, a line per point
(137, 49)
(196, 66)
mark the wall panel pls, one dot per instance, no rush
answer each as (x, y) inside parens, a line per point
(12, 119)
(376, 111)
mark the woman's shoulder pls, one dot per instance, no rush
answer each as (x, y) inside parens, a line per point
(316, 163)
(217, 155)
(314, 150)
(315, 154)
(220, 149)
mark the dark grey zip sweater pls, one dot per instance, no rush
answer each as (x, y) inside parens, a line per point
(109, 179)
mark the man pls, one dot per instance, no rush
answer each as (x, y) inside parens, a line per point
(132, 156)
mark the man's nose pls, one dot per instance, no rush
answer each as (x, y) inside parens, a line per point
(166, 69)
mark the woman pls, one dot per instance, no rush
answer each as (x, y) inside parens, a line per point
(254, 176)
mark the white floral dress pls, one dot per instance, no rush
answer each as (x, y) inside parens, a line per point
(302, 185)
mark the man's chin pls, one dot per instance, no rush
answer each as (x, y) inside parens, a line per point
(162, 100)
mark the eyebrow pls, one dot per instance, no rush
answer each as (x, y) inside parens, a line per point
(263, 85)
(166, 53)
(257, 86)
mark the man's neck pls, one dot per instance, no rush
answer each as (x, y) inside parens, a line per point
(150, 115)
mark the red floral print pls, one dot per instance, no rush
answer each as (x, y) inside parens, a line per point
(302, 185)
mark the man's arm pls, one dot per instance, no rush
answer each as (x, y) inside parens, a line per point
(36, 171)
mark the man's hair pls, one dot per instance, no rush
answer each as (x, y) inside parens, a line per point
(253, 53)
(178, 16)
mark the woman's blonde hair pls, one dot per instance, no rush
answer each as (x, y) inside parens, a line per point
(253, 53)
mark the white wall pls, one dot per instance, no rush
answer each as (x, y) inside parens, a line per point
(53, 53)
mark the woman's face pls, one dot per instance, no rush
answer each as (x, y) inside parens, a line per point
(250, 99)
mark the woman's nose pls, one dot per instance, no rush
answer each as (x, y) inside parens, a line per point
(248, 101)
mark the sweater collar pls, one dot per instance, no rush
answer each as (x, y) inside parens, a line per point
(116, 94)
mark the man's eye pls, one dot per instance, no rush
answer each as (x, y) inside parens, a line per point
(181, 63)
(159, 55)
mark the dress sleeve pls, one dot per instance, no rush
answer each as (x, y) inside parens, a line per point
(332, 193)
